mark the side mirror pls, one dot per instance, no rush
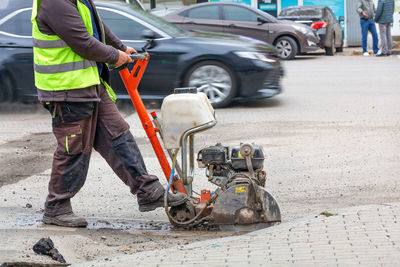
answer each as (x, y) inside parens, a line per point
(261, 20)
(149, 36)
(341, 18)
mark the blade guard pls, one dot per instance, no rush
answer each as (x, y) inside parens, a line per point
(242, 205)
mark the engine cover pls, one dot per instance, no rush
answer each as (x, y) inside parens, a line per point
(213, 155)
(239, 162)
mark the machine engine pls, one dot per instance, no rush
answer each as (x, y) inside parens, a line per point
(241, 200)
(223, 164)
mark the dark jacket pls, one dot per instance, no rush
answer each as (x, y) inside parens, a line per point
(62, 18)
(368, 7)
(384, 12)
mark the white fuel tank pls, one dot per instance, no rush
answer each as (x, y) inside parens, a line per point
(181, 112)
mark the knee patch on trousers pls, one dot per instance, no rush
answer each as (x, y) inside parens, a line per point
(129, 154)
(74, 174)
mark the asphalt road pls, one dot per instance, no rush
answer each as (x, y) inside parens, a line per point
(331, 139)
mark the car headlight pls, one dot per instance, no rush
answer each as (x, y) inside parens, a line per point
(255, 55)
(304, 30)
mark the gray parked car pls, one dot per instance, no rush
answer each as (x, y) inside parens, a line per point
(290, 38)
(321, 19)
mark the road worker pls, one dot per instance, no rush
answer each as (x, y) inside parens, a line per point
(71, 47)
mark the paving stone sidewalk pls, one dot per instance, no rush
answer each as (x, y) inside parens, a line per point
(363, 236)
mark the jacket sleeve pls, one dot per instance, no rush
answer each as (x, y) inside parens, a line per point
(379, 11)
(359, 7)
(63, 18)
(113, 40)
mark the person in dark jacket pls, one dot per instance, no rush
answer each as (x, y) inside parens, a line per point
(366, 11)
(384, 16)
(71, 41)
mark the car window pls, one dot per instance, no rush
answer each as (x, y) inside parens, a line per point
(205, 12)
(239, 14)
(301, 12)
(20, 24)
(121, 26)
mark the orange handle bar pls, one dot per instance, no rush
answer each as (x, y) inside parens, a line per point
(131, 80)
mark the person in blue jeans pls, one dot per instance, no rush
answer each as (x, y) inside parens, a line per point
(366, 11)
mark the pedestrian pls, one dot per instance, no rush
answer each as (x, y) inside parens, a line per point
(71, 47)
(366, 11)
(384, 16)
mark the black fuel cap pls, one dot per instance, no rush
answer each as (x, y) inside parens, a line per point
(185, 90)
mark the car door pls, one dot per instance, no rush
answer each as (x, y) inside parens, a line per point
(206, 18)
(160, 76)
(243, 21)
(16, 54)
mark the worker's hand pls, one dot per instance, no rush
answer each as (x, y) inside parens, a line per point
(123, 59)
(365, 14)
(130, 50)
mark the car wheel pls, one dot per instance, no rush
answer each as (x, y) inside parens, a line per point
(6, 88)
(287, 47)
(330, 51)
(214, 79)
(340, 48)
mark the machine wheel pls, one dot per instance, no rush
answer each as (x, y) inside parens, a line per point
(214, 79)
(6, 88)
(330, 51)
(182, 213)
(287, 47)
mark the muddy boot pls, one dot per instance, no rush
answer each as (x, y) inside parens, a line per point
(68, 220)
(173, 200)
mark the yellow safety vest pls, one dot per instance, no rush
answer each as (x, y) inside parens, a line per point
(56, 66)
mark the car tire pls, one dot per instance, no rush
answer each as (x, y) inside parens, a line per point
(287, 47)
(214, 79)
(340, 48)
(330, 51)
(6, 88)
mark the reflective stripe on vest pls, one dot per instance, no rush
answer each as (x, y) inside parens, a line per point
(72, 66)
(56, 66)
(49, 43)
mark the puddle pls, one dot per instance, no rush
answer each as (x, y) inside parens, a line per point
(144, 225)
(94, 223)
(123, 224)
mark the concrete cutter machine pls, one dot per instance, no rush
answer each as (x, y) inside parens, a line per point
(240, 200)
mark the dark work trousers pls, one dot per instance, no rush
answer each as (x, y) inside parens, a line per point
(81, 126)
